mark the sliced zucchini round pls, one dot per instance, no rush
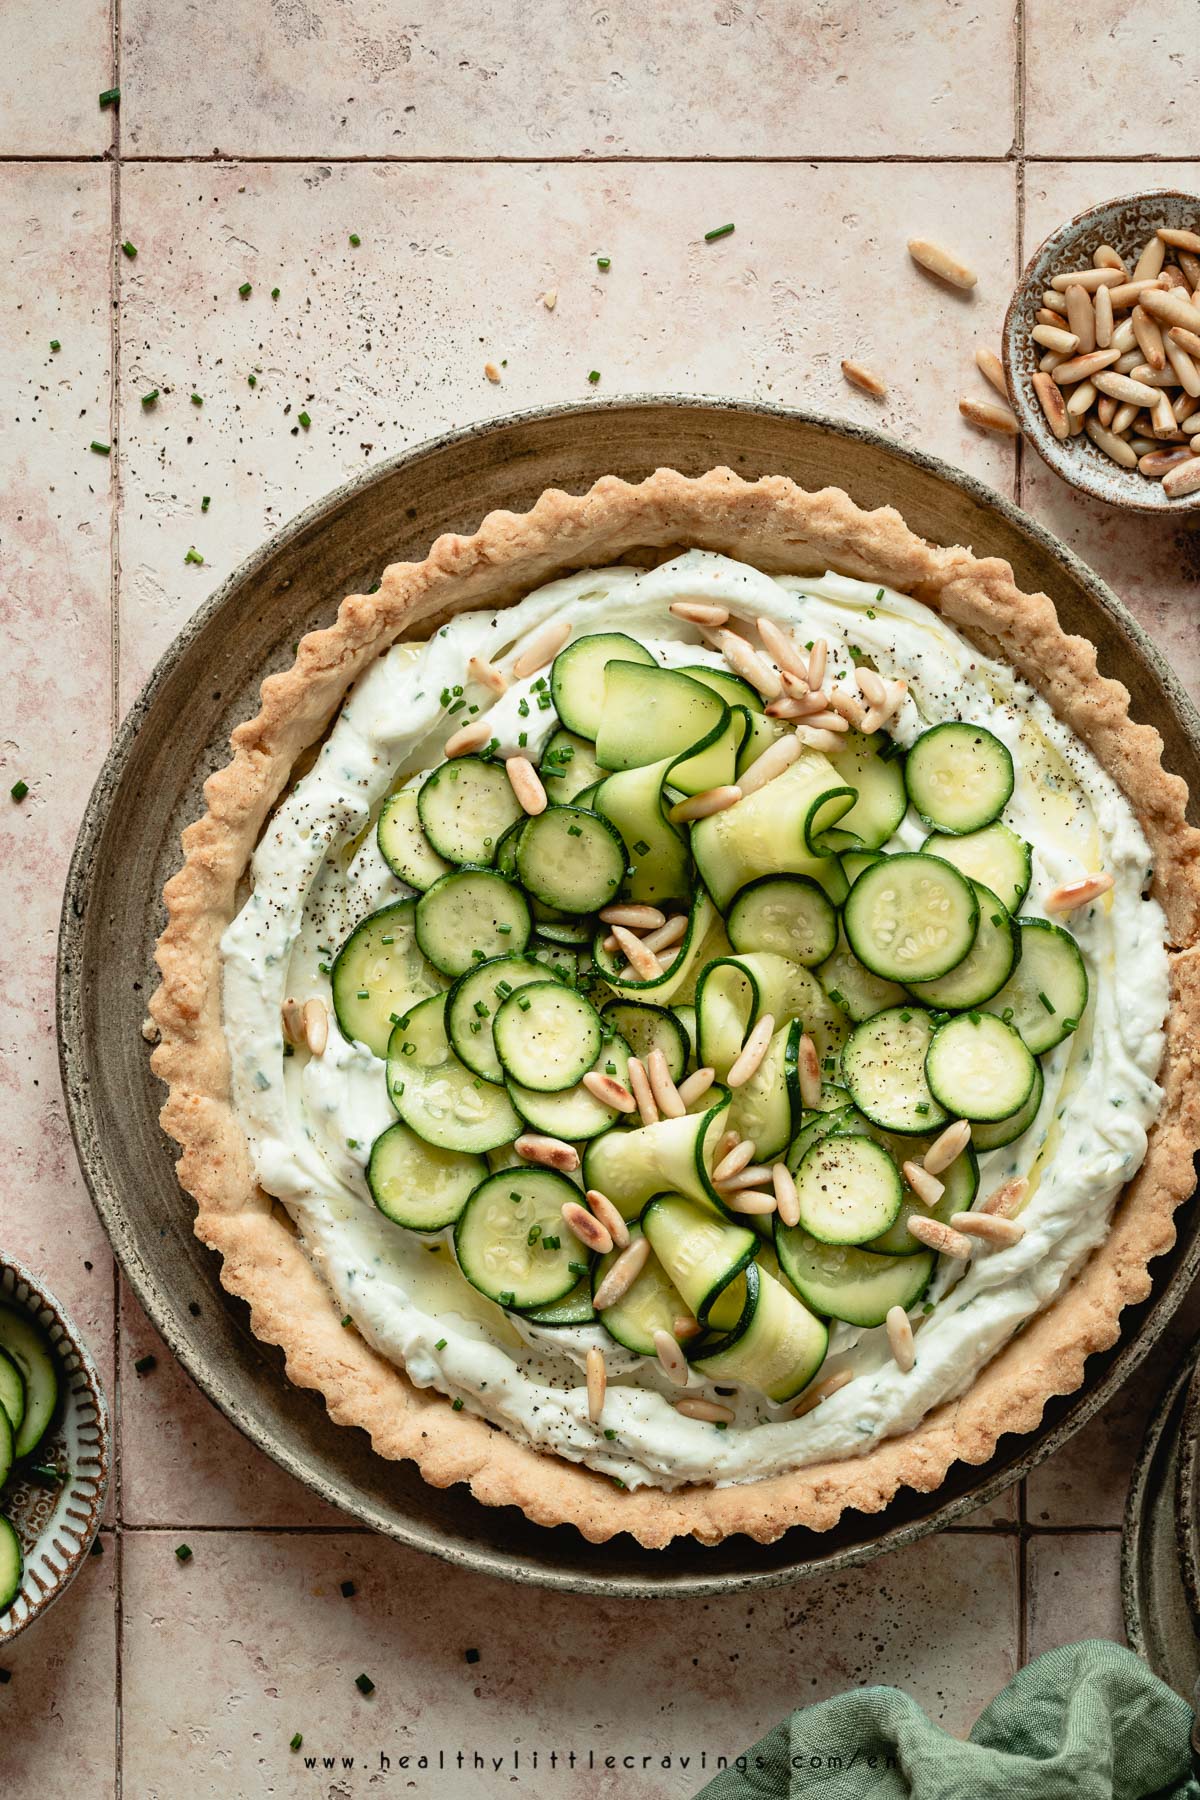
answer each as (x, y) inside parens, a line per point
(874, 767)
(849, 1189)
(472, 1005)
(574, 1308)
(986, 966)
(30, 1350)
(700, 1252)
(568, 766)
(418, 1185)
(818, 1125)
(646, 1028)
(571, 859)
(996, 856)
(403, 845)
(379, 973)
(776, 1347)
(546, 1036)
(650, 1304)
(979, 1068)
(883, 1066)
(575, 1113)
(1047, 994)
(12, 1563)
(840, 1281)
(959, 777)
(446, 1103)
(577, 677)
(911, 917)
(511, 1241)
(853, 989)
(506, 849)
(993, 1135)
(465, 807)
(12, 1391)
(960, 1182)
(471, 915)
(790, 915)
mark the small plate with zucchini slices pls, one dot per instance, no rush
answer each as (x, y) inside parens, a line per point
(54, 1450)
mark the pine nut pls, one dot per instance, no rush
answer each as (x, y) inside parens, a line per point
(487, 675)
(1163, 416)
(1072, 894)
(1187, 340)
(1081, 397)
(526, 784)
(814, 738)
(1050, 396)
(1184, 367)
(1102, 311)
(1048, 363)
(684, 1327)
(1172, 279)
(847, 704)
(639, 1081)
(697, 1084)
(1172, 308)
(1053, 337)
(787, 1202)
(1157, 463)
(860, 377)
(643, 962)
(751, 1053)
(1082, 368)
(1149, 338)
(1130, 292)
(870, 685)
(1183, 479)
(467, 738)
(794, 708)
(739, 1158)
(1178, 239)
(989, 1228)
(1189, 263)
(923, 1183)
(700, 612)
(671, 1359)
(808, 1072)
(709, 1412)
(622, 1275)
(900, 1339)
(1106, 258)
(597, 1382)
(292, 1021)
(550, 299)
(586, 1228)
(316, 1027)
(492, 371)
(1006, 1200)
(750, 665)
(1088, 279)
(1114, 447)
(748, 1200)
(823, 1391)
(1081, 315)
(1106, 408)
(936, 1236)
(541, 649)
(609, 1091)
(774, 760)
(1123, 387)
(988, 416)
(782, 647)
(635, 918)
(1122, 419)
(990, 366)
(947, 1148)
(672, 931)
(702, 806)
(827, 721)
(1052, 301)
(728, 1140)
(1043, 315)
(608, 1216)
(941, 262)
(1190, 424)
(1153, 378)
(818, 661)
(666, 1094)
(1149, 263)
(550, 1153)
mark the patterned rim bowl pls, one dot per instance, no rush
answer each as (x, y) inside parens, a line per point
(56, 1521)
(1125, 224)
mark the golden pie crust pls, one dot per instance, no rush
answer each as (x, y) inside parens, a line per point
(780, 528)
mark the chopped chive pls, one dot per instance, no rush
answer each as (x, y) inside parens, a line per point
(838, 998)
(642, 847)
(1047, 1003)
(296, 1741)
(604, 262)
(274, 293)
(110, 97)
(150, 398)
(574, 830)
(101, 449)
(346, 1319)
(129, 249)
(441, 1344)
(193, 556)
(456, 1406)
(197, 399)
(355, 239)
(252, 381)
(245, 289)
(504, 930)
(364, 1684)
(348, 1590)
(46, 1473)
(922, 1106)
(205, 502)
(718, 231)
(18, 790)
(54, 344)
(304, 420)
(144, 1364)
(535, 1232)
(593, 376)
(471, 1656)
(609, 1433)
(183, 1553)
(550, 1243)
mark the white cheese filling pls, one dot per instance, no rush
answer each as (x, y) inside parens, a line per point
(310, 1122)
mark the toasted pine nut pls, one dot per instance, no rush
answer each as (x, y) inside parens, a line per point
(1107, 258)
(936, 1236)
(870, 685)
(487, 675)
(727, 1141)
(1053, 301)
(1123, 387)
(1178, 239)
(989, 1227)
(697, 1083)
(1163, 416)
(1129, 293)
(774, 760)
(316, 1027)
(787, 1202)
(823, 1390)
(644, 962)
(608, 1216)
(609, 1091)
(1173, 279)
(750, 665)
(550, 299)
(1158, 379)
(1081, 315)
(702, 806)
(466, 738)
(848, 705)
(991, 368)
(549, 1152)
(1122, 419)
(900, 1339)
(666, 1094)
(541, 649)
(1192, 423)
(941, 262)
(709, 1412)
(1071, 894)
(1157, 463)
(1082, 368)
(586, 1227)
(1048, 363)
(1187, 340)
(808, 1071)
(1149, 338)
(860, 377)
(1082, 396)
(1172, 308)
(292, 1020)
(924, 1184)
(700, 612)
(597, 1382)
(639, 1081)
(818, 661)
(751, 1053)
(623, 1273)
(635, 918)
(526, 784)
(1043, 315)
(1006, 1199)
(671, 931)
(1103, 313)
(737, 1159)
(791, 708)
(684, 1327)
(1088, 279)
(1122, 337)
(1050, 396)
(748, 1199)
(1183, 479)
(1149, 263)
(988, 416)
(1185, 369)
(492, 371)
(815, 738)
(783, 648)
(827, 721)
(671, 1359)
(1114, 447)
(1053, 337)
(947, 1148)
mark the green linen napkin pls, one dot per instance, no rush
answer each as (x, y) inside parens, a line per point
(1086, 1722)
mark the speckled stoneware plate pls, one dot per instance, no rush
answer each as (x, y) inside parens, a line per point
(1158, 1618)
(56, 1521)
(150, 787)
(1126, 224)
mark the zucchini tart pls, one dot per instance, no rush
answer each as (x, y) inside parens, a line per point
(682, 1008)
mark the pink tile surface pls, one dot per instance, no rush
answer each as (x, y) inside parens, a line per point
(57, 60)
(779, 79)
(58, 1714)
(272, 1647)
(385, 344)
(1074, 1589)
(1111, 81)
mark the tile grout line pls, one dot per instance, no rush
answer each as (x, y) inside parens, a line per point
(115, 490)
(899, 158)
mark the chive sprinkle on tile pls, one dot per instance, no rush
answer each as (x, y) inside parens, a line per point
(144, 1364)
(129, 249)
(604, 262)
(252, 380)
(183, 1553)
(101, 449)
(205, 502)
(245, 289)
(274, 293)
(110, 97)
(18, 790)
(304, 420)
(355, 239)
(197, 399)
(296, 1741)
(593, 376)
(718, 231)
(54, 344)
(150, 398)
(364, 1684)
(193, 556)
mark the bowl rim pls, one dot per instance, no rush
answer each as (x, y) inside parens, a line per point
(1033, 426)
(480, 1558)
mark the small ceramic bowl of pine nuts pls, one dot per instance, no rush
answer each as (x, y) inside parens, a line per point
(1102, 352)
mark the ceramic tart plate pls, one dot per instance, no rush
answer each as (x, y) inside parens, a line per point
(177, 734)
